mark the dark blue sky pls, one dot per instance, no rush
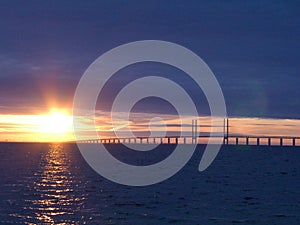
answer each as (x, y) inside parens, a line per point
(252, 47)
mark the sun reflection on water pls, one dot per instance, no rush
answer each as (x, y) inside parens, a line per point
(56, 197)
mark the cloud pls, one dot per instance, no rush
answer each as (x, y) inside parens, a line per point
(253, 48)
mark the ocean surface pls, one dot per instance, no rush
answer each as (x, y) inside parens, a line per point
(52, 184)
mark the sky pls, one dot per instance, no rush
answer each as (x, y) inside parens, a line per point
(251, 46)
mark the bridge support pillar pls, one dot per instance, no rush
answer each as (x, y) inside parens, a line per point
(294, 142)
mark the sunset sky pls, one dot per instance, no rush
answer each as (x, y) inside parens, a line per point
(252, 47)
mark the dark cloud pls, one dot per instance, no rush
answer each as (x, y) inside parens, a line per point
(252, 47)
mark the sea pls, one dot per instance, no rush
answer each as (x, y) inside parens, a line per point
(50, 183)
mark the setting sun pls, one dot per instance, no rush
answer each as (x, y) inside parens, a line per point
(56, 126)
(56, 123)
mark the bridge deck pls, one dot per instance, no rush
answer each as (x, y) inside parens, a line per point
(228, 140)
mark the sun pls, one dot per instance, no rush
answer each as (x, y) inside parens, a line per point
(56, 123)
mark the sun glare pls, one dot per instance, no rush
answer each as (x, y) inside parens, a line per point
(56, 123)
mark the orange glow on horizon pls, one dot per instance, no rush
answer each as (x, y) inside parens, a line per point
(57, 126)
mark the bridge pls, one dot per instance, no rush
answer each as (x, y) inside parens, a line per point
(194, 138)
(229, 140)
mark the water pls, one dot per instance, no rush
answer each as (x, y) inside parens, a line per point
(52, 184)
